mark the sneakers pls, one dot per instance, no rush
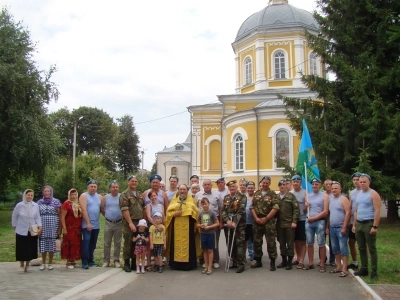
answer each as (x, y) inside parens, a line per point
(203, 265)
(93, 264)
(352, 266)
(137, 270)
(42, 267)
(215, 265)
(105, 265)
(160, 269)
(86, 267)
(50, 267)
(117, 264)
(361, 272)
(142, 270)
(70, 267)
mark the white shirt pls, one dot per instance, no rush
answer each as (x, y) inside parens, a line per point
(25, 215)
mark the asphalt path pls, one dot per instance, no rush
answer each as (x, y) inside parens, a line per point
(257, 283)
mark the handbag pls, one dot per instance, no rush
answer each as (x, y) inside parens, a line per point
(33, 230)
(58, 245)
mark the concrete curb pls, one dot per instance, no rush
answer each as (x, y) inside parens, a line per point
(86, 285)
(374, 295)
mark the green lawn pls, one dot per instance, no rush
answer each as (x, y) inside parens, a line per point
(7, 240)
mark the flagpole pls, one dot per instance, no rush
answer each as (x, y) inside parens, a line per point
(305, 175)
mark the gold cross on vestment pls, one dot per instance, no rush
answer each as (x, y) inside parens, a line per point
(181, 203)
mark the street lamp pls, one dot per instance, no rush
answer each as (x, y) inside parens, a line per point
(74, 150)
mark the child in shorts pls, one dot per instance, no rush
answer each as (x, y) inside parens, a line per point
(157, 241)
(140, 238)
(208, 223)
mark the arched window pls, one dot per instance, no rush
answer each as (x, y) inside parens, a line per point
(282, 149)
(248, 71)
(174, 171)
(279, 60)
(313, 64)
(239, 153)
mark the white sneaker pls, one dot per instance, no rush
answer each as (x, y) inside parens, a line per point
(117, 264)
(137, 270)
(203, 265)
(105, 265)
(142, 270)
(216, 265)
(42, 267)
(50, 267)
(70, 267)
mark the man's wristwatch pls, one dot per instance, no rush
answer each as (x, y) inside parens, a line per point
(375, 227)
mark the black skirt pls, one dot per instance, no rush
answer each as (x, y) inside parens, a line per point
(26, 247)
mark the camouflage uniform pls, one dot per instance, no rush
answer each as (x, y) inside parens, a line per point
(136, 207)
(262, 205)
(233, 207)
(288, 213)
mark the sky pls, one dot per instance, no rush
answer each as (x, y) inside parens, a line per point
(148, 59)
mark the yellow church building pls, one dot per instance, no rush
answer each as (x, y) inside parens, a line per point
(243, 134)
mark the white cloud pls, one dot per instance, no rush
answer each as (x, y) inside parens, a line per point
(148, 59)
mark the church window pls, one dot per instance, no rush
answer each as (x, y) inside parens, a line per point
(239, 153)
(174, 171)
(279, 60)
(248, 70)
(178, 147)
(282, 149)
(313, 64)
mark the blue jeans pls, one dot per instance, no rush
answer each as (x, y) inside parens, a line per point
(339, 241)
(89, 245)
(250, 248)
(315, 228)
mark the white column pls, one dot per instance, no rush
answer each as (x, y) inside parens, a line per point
(237, 85)
(196, 149)
(298, 62)
(261, 82)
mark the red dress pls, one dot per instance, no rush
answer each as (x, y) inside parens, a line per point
(71, 243)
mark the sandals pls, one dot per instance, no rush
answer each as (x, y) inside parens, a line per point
(343, 274)
(204, 271)
(295, 263)
(322, 269)
(300, 266)
(21, 270)
(334, 271)
(209, 272)
(309, 267)
(148, 268)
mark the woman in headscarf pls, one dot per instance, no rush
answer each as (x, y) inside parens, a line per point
(26, 214)
(49, 208)
(71, 221)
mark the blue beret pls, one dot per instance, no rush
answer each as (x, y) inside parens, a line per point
(366, 175)
(250, 183)
(315, 180)
(356, 174)
(220, 179)
(296, 177)
(112, 182)
(281, 181)
(266, 178)
(92, 181)
(131, 176)
(155, 176)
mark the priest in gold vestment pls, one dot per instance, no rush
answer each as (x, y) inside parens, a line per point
(183, 243)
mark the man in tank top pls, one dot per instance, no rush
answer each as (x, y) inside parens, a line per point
(365, 225)
(113, 224)
(328, 194)
(300, 231)
(352, 236)
(173, 187)
(90, 204)
(317, 208)
(339, 219)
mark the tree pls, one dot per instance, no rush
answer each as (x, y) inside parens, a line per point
(29, 141)
(128, 150)
(96, 133)
(360, 109)
(154, 168)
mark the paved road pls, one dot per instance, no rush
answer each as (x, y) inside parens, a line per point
(252, 284)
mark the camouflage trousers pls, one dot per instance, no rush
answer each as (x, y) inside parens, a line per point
(286, 241)
(269, 231)
(238, 251)
(127, 233)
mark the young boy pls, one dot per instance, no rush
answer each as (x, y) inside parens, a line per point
(207, 222)
(157, 241)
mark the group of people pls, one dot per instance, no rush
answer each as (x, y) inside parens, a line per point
(183, 223)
